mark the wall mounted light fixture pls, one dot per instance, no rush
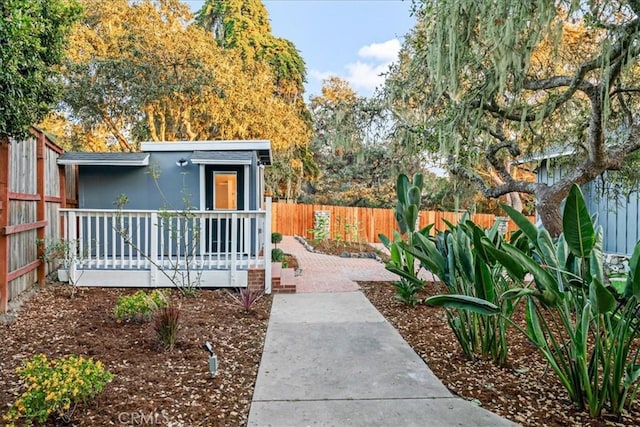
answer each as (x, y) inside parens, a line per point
(182, 162)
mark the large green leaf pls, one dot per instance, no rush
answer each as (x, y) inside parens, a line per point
(512, 266)
(485, 286)
(518, 293)
(402, 188)
(428, 255)
(418, 180)
(384, 239)
(547, 249)
(576, 223)
(411, 217)
(544, 280)
(534, 331)
(464, 302)
(414, 196)
(404, 274)
(523, 223)
(463, 254)
(602, 300)
(632, 287)
(596, 258)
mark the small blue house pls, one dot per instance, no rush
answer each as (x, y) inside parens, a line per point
(174, 209)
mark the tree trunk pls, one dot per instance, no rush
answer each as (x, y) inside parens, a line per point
(513, 199)
(548, 209)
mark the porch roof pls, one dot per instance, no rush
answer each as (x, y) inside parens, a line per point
(222, 157)
(262, 147)
(104, 159)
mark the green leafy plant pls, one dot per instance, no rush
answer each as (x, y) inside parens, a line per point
(276, 238)
(245, 298)
(166, 325)
(277, 255)
(462, 257)
(57, 251)
(320, 228)
(403, 262)
(55, 387)
(407, 292)
(586, 331)
(140, 306)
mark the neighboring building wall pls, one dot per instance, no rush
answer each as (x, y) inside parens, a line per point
(620, 219)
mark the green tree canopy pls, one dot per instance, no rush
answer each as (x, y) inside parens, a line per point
(489, 83)
(32, 42)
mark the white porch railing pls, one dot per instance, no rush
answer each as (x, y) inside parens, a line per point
(171, 240)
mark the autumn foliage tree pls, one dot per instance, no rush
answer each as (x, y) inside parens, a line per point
(146, 71)
(499, 81)
(243, 26)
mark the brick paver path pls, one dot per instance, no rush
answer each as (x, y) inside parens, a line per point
(329, 273)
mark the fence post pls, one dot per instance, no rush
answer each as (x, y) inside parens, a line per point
(41, 205)
(153, 249)
(4, 221)
(267, 247)
(234, 248)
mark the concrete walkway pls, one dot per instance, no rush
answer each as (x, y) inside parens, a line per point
(331, 359)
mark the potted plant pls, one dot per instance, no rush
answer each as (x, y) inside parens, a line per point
(59, 253)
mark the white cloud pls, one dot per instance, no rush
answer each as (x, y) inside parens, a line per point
(321, 75)
(384, 52)
(365, 74)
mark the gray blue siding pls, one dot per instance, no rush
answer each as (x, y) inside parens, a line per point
(620, 219)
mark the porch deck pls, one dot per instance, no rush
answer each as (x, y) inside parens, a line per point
(142, 248)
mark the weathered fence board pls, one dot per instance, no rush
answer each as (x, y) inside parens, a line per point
(363, 224)
(32, 189)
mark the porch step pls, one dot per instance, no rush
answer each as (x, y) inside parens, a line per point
(283, 280)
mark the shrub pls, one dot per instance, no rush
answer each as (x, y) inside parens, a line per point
(586, 331)
(55, 387)
(140, 306)
(277, 255)
(276, 238)
(166, 325)
(245, 298)
(407, 291)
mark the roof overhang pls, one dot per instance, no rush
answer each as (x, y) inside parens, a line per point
(261, 147)
(222, 157)
(104, 159)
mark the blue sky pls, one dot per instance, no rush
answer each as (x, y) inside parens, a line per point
(352, 39)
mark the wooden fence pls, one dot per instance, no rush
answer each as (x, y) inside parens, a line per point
(353, 223)
(32, 189)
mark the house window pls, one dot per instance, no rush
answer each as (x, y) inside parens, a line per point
(225, 186)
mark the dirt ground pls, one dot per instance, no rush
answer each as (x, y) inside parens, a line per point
(525, 391)
(174, 387)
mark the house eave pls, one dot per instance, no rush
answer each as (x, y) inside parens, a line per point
(221, 162)
(262, 147)
(104, 162)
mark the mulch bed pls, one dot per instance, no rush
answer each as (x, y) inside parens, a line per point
(526, 391)
(173, 386)
(339, 247)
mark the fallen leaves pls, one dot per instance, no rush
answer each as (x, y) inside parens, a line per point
(175, 386)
